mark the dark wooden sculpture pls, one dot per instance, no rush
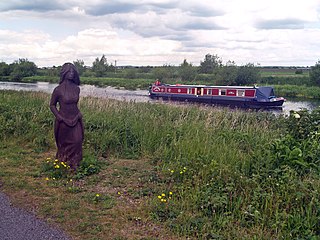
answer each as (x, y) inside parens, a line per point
(68, 126)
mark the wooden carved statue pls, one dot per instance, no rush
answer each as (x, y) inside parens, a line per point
(68, 126)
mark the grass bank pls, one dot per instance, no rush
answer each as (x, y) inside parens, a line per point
(154, 171)
(297, 91)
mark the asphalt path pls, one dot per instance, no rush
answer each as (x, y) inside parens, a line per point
(18, 224)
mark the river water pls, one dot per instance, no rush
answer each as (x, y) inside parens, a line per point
(137, 95)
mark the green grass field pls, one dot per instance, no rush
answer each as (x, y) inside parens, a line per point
(153, 171)
(283, 73)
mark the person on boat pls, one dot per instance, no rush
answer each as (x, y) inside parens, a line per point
(68, 125)
(158, 83)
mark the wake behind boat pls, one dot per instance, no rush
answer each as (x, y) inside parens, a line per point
(251, 97)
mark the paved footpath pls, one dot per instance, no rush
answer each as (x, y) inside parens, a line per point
(17, 224)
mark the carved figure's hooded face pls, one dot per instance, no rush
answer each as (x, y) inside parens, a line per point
(69, 72)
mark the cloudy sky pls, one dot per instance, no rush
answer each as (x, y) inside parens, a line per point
(158, 32)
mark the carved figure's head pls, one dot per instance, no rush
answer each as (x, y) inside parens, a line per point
(70, 73)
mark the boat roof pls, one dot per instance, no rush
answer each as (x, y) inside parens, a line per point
(209, 86)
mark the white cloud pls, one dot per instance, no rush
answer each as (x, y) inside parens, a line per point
(156, 32)
(86, 45)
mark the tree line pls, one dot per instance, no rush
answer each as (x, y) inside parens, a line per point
(18, 69)
(212, 67)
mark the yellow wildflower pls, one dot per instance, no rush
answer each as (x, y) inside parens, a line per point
(170, 193)
(163, 195)
(159, 197)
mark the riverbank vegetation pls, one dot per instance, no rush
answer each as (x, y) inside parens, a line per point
(211, 71)
(154, 171)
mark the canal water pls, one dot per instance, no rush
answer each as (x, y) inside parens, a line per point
(137, 95)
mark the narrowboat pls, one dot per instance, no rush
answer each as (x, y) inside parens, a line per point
(250, 97)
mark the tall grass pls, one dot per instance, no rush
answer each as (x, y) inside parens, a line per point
(219, 165)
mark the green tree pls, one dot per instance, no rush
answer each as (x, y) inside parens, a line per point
(186, 71)
(111, 68)
(23, 68)
(248, 74)
(131, 73)
(100, 66)
(145, 69)
(4, 69)
(228, 74)
(53, 71)
(210, 63)
(314, 74)
(79, 64)
(164, 72)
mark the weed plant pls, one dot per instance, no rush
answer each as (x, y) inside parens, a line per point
(222, 174)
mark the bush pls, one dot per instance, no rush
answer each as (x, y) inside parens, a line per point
(315, 74)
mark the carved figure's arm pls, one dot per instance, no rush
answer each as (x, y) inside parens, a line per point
(53, 105)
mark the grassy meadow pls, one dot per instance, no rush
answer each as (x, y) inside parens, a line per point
(155, 171)
(284, 72)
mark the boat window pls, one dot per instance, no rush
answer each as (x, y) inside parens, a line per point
(189, 91)
(222, 92)
(209, 91)
(240, 93)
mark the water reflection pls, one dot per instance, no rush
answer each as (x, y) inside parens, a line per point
(86, 90)
(140, 95)
(119, 94)
(17, 86)
(299, 104)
